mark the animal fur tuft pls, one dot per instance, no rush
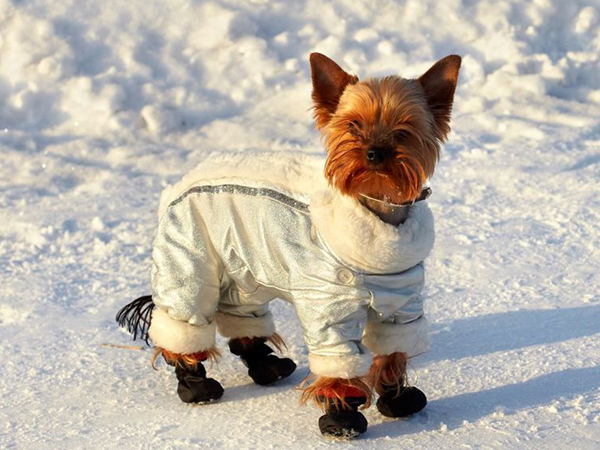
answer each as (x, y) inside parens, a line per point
(326, 392)
(186, 360)
(388, 372)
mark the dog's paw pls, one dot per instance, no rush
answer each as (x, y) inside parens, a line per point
(343, 424)
(410, 401)
(199, 390)
(271, 369)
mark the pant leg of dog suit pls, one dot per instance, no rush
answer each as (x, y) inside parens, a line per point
(239, 321)
(396, 321)
(186, 277)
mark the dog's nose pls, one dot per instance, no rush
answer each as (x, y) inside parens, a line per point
(377, 155)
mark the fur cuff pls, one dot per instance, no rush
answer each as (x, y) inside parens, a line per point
(233, 327)
(386, 338)
(178, 336)
(341, 366)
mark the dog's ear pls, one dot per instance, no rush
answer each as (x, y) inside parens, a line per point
(329, 82)
(439, 84)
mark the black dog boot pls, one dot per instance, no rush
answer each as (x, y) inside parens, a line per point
(408, 401)
(263, 367)
(194, 387)
(343, 423)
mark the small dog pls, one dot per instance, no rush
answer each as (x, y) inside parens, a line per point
(342, 236)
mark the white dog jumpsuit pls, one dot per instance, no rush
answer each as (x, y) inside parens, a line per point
(244, 228)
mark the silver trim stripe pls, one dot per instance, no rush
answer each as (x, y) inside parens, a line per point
(244, 190)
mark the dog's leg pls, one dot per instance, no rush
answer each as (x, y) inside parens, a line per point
(340, 399)
(193, 386)
(263, 367)
(249, 328)
(388, 378)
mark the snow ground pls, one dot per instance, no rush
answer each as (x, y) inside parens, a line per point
(103, 103)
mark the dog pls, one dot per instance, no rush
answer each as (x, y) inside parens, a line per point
(342, 235)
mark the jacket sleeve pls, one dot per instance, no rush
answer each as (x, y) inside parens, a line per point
(185, 282)
(396, 320)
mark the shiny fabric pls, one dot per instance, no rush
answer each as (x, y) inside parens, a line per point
(233, 248)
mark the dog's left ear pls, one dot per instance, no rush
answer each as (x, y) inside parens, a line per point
(329, 81)
(439, 84)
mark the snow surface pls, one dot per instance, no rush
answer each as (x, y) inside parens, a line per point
(104, 102)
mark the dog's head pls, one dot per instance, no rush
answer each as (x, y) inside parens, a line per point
(382, 135)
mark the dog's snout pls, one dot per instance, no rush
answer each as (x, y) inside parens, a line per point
(377, 155)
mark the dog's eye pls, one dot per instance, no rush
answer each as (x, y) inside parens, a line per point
(400, 135)
(355, 127)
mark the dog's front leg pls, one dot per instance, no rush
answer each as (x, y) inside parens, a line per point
(333, 327)
(388, 378)
(340, 399)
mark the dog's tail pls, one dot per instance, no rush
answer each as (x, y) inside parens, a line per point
(136, 317)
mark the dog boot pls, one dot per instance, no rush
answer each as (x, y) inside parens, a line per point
(263, 367)
(194, 387)
(410, 400)
(344, 421)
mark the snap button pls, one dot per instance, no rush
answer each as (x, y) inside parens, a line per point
(345, 276)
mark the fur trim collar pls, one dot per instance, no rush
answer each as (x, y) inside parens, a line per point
(366, 243)
(353, 233)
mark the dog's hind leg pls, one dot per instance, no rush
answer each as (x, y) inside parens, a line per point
(193, 384)
(249, 335)
(263, 367)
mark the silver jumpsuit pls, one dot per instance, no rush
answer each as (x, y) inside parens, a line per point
(237, 233)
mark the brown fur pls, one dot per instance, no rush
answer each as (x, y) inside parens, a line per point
(188, 360)
(388, 371)
(277, 342)
(409, 116)
(316, 387)
(275, 339)
(329, 82)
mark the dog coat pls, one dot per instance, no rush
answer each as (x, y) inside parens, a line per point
(242, 229)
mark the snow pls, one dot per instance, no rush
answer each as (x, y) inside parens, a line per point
(104, 103)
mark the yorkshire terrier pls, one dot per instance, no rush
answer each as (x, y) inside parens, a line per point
(383, 138)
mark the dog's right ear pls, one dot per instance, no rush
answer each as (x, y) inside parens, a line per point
(329, 82)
